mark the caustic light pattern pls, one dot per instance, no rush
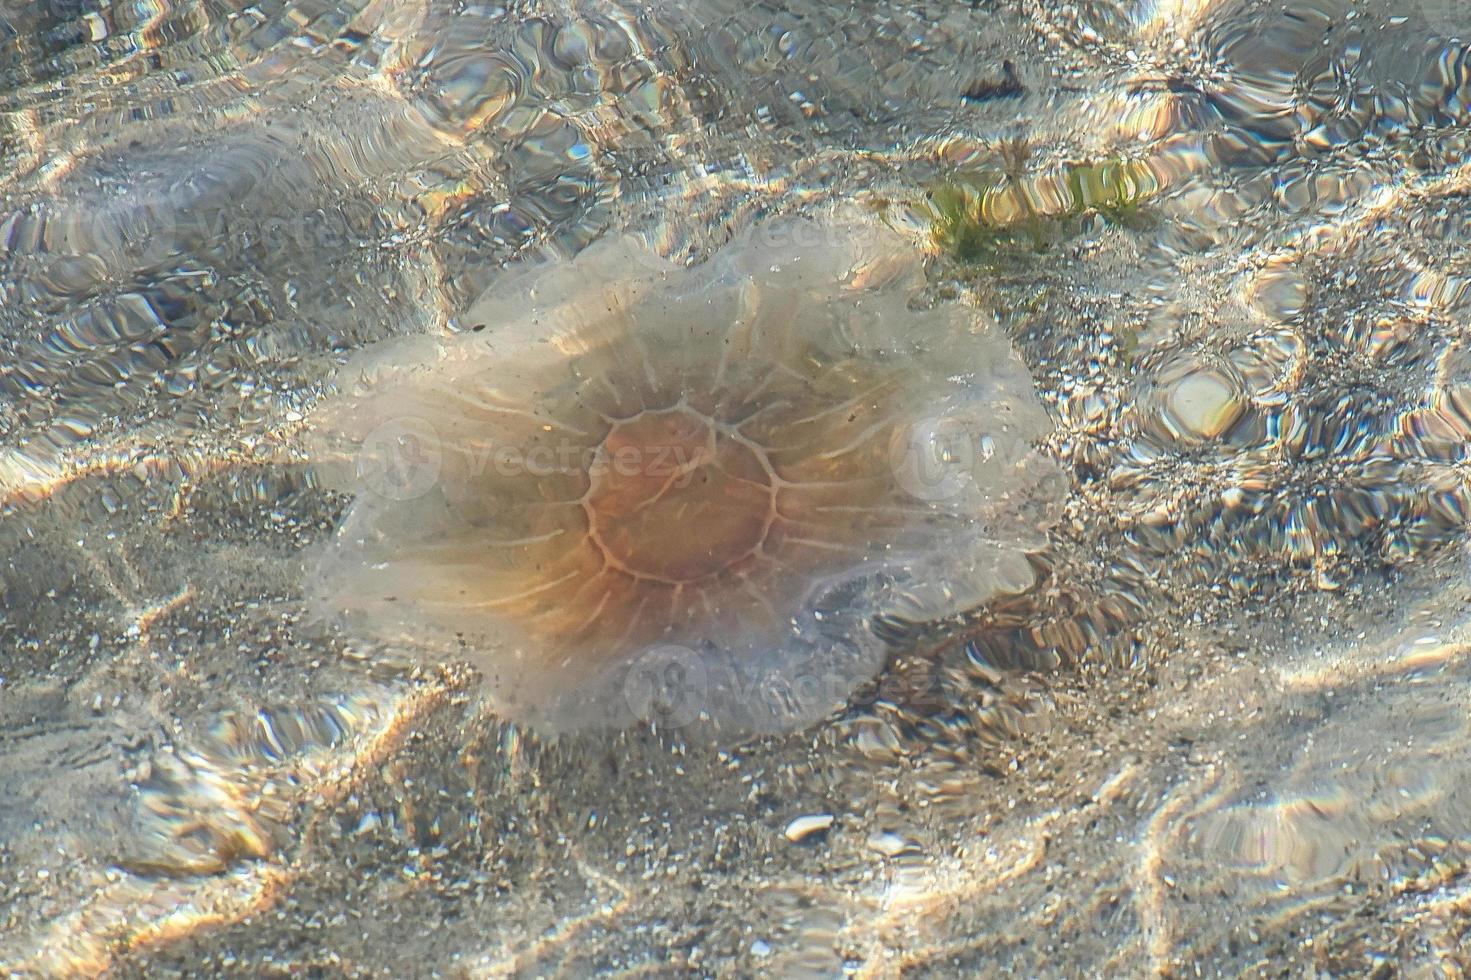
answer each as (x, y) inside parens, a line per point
(719, 477)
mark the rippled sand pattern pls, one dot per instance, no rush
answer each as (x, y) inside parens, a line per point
(1224, 733)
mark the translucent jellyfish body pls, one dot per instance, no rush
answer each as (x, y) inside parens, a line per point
(683, 495)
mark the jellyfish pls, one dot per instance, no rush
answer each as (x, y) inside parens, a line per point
(635, 492)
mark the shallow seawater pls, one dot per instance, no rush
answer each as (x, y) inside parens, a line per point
(1219, 726)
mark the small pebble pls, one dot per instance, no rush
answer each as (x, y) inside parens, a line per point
(805, 826)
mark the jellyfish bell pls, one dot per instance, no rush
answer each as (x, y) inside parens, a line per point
(682, 496)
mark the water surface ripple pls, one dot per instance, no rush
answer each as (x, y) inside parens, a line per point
(1225, 731)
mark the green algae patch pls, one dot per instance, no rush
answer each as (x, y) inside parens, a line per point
(986, 216)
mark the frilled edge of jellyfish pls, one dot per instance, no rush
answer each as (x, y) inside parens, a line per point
(715, 683)
(696, 687)
(834, 645)
(779, 688)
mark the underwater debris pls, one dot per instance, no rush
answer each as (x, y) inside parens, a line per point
(1009, 86)
(683, 495)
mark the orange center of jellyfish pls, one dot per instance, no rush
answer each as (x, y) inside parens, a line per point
(675, 497)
